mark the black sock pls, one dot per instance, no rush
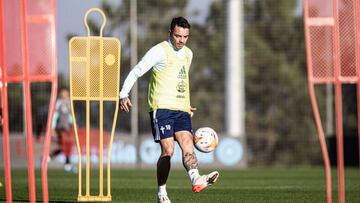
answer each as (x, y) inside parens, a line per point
(67, 161)
(163, 169)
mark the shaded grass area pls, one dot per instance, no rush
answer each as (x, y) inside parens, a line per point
(248, 185)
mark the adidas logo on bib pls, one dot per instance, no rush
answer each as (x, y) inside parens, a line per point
(182, 73)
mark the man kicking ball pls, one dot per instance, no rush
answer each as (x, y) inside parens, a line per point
(169, 104)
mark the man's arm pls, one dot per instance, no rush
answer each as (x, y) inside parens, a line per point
(154, 56)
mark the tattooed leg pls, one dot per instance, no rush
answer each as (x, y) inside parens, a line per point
(190, 161)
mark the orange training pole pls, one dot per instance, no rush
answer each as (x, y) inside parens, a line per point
(314, 104)
(28, 113)
(4, 105)
(357, 61)
(41, 44)
(338, 105)
(53, 79)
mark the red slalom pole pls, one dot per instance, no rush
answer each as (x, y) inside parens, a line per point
(338, 105)
(4, 105)
(356, 10)
(54, 84)
(6, 147)
(28, 113)
(315, 107)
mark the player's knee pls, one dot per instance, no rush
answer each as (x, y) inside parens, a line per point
(187, 147)
(167, 152)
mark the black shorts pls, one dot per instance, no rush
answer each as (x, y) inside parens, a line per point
(165, 123)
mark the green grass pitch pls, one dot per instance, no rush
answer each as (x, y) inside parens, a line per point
(248, 185)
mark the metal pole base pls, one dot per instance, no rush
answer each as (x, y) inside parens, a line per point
(94, 198)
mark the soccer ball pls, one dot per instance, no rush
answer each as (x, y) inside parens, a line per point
(205, 139)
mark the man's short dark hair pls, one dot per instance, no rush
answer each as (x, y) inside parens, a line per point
(179, 21)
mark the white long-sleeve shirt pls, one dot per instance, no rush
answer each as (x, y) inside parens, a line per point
(155, 58)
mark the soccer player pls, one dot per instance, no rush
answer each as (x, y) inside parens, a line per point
(62, 127)
(169, 104)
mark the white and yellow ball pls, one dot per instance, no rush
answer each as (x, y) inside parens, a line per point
(205, 139)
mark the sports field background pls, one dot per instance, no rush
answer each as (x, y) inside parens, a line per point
(280, 129)
(250, 185)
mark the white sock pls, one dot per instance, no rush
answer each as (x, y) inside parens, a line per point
(162, 190)
(193, 174)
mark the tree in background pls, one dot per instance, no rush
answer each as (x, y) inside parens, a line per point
(278, 111)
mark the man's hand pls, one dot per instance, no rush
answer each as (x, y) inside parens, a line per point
(192, 109)
(125, 104)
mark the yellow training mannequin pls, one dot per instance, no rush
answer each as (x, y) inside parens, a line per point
(94, 76)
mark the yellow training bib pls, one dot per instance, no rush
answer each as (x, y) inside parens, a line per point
(169, 88)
